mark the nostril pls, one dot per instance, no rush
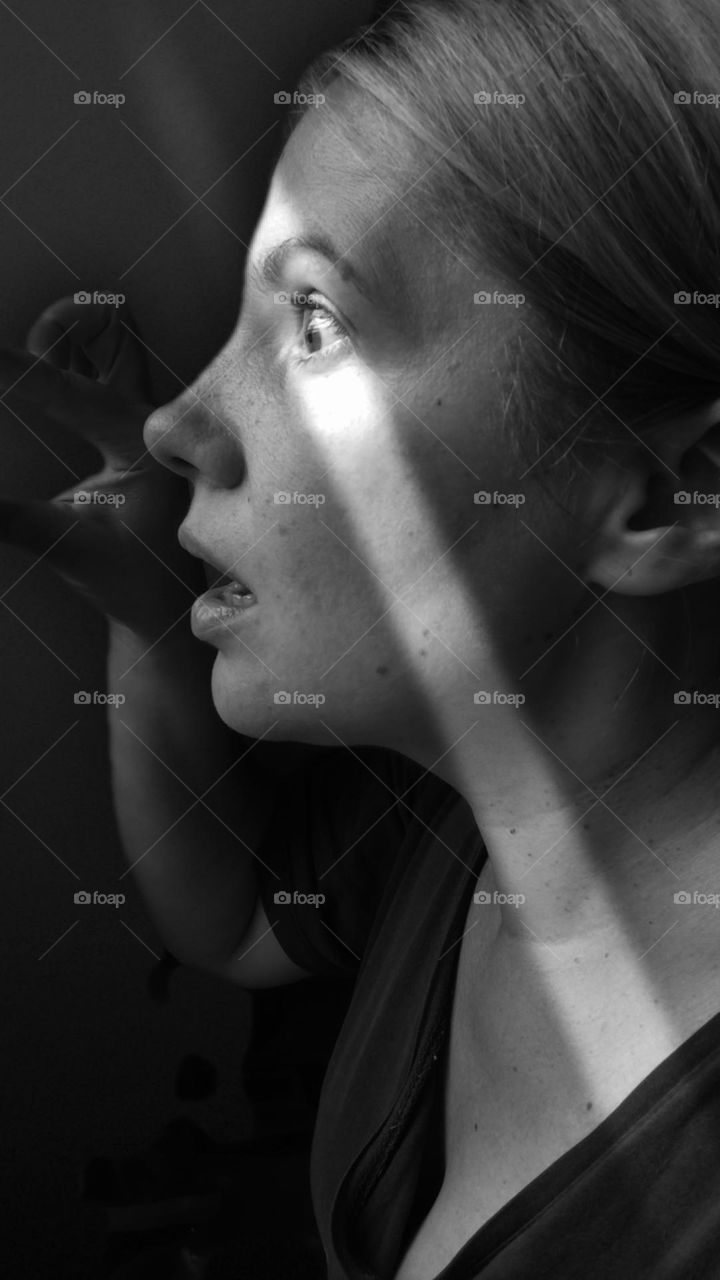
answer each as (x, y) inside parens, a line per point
(175, 464)
(158, 440)
(208, 449)
(179, 465)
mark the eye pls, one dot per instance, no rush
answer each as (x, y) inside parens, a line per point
(321, 332)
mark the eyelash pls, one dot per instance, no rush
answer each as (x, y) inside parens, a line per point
(312, 305)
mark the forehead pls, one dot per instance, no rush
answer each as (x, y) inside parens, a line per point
(350, 177)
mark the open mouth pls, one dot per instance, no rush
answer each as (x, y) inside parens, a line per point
(229, 589)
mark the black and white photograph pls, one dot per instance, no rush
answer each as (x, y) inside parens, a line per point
(360, 634)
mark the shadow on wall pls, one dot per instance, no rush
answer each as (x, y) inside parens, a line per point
(155, 198)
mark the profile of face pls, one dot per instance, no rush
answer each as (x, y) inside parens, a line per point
(349, 464)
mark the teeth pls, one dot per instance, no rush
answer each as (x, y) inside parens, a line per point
(237, 592)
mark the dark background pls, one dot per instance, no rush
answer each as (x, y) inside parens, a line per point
(98, 197)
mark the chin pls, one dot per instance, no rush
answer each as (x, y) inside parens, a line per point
(251, 711)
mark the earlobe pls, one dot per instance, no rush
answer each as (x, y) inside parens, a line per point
(661, 527)
(646, 562)
(636, 561)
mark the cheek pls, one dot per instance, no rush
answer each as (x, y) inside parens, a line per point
(383, 506)
(396, 528)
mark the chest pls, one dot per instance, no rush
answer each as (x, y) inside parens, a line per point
(510, 1113)
(493, 1149)
(489, 1158)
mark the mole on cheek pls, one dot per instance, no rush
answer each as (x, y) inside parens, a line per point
(381, 671)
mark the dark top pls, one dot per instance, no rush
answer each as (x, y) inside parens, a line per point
(639, 1197)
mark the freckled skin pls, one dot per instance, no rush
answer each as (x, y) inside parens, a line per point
(399, 569)
(346, 588)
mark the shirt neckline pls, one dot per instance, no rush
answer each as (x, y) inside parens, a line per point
(557, 1179)
(427, 1071)
(430, 1049)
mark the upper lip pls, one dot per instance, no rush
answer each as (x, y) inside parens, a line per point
(217, 575)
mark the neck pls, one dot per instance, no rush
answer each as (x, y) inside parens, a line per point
(597, 802)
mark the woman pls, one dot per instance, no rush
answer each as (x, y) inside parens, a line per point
(462, 449)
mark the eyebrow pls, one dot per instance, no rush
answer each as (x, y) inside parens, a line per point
(272, 265)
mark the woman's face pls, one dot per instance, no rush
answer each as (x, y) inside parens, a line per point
(381, 584)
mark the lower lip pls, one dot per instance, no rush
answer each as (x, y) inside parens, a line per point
(212, 613)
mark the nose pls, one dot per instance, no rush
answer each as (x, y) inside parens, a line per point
(192, 437)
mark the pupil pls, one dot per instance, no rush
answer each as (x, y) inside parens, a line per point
(312, 334)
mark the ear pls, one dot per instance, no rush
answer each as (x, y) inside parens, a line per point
(660, 523)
